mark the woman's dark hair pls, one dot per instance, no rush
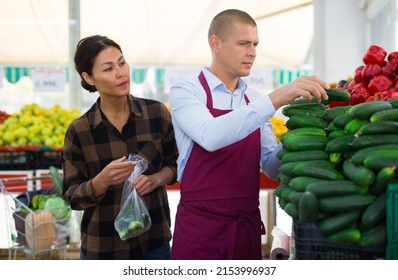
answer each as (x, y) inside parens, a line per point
(86, 51)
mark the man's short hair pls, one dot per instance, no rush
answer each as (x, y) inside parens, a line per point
(221, 23)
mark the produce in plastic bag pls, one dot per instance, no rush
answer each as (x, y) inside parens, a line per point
(133, 218)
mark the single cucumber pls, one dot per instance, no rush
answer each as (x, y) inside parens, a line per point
(345, 203)
(302, 100)
(327, 172)
(292, 210)
(376, 163)
(348, 235)
(281, 153)
(285, 194)
(295, 196)
(371, 140)
(383, 177)
(283, 178)
(335, 94)
(287, 169)
(340, 144)
(331, 127)
(375, 212)
(359, 174)
(385, 115)
(278, 190)
(297, 121)
(305, 155)
(290, 110)
(354, 126)
(305, 143)
(380, 127)
(341, 121)
(333, 188)
(336, 133)
(303, 131)
(364, 111)
(375, 236)
(338, 221)
(393, 102)
(299, 183)
(308, 208)
(282, 203)
(336, 111)
(359, 156)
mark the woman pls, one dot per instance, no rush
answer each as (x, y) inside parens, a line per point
(95, 154)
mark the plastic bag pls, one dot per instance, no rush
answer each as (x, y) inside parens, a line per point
(133, 218)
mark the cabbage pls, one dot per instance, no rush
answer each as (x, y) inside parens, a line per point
(58, 207)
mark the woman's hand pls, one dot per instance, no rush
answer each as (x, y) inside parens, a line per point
(145, 184)
(114, 173)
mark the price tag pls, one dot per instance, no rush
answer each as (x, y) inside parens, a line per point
(45, 80)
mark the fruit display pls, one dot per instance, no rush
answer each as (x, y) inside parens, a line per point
(36, 125)
(3, 116)
(336, 164)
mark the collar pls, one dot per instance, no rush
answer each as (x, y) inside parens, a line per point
(215, 83)
(134, 105)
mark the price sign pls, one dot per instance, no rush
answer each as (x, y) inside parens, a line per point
(259, 79)
(175, 74)
(45, 80)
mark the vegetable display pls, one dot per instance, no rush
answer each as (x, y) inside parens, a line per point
(334, 175)
(376, 79)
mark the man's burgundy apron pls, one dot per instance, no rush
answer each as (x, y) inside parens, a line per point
(218, 215)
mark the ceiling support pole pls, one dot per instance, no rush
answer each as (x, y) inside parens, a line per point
(75, 98)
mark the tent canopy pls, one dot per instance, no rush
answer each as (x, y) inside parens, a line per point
(151, 32)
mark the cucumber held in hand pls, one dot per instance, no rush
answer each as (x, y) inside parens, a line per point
(338, 94)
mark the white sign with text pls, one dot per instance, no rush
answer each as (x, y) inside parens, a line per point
(45, 80)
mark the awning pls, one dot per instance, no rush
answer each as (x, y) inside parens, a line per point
(151, 32)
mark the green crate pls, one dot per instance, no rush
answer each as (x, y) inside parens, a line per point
(392, 221)
(392, 251)
(392, 211)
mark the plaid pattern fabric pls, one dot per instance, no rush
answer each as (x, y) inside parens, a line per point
(91, 143)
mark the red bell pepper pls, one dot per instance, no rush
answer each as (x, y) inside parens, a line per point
(351, 86)
(370, 71)
(371, 99)
(380, 83)
(392, 56)
(358, 74)
(390, 69)
(374, 55)
(390, 94)
(359, 94)
(378, 95)
(358, 97)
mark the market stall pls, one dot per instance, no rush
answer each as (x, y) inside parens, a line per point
(338, 179)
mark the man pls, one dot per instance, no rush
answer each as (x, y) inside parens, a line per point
(224, 136)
